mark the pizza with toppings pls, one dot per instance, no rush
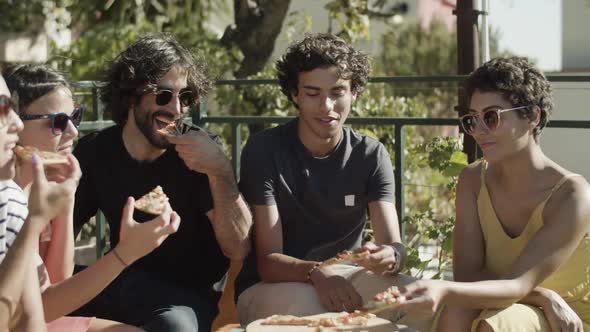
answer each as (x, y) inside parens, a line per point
(327, 322)
(347, 256)
(174, 128)
(343, 319)
(25, 153)
(153, 202)
(169, 130)
(287, 320)
(384, 300)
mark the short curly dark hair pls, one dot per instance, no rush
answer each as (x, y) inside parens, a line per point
(321, 50)
(142, 64)
(519, 82)
(32, 81)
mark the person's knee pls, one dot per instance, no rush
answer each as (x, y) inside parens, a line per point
(455, 319)
(175, 319)
(483, 326)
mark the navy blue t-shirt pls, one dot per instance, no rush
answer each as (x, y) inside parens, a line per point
(322, 202)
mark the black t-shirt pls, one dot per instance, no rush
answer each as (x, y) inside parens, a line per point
(322, 202)
(191, 257)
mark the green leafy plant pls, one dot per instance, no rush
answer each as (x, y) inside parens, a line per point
(434, 226)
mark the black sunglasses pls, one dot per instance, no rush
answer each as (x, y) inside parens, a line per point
(59, 121)
(164, 96)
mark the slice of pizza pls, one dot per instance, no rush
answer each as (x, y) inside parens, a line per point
(25, 153)
(170, 130)
(153, 202)
(347, 256)
(384, 300)
(356, 318)
(288, 320)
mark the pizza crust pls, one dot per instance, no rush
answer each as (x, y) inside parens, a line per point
(358, 321)
(169, 130)
(25, 153)
(347, 257)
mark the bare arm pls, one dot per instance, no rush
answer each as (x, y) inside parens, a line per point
(81, 287)
(31, 317)
(387, 237)
(565, 224)
(136, 240)
(273, 265)
(468, 241)
(58, 254)
(384, 221)
(231, 218)
(14, 268)
(18, 269)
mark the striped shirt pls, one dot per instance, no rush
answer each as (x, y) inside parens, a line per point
(13, 212)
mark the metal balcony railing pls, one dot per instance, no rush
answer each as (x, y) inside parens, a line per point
(200, 117)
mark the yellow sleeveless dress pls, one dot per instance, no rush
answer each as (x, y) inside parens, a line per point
(571, 281)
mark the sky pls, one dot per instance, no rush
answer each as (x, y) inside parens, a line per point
(529, 28)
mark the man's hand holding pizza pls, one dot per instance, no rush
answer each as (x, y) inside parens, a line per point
(201, 154)
(381, 258)
(336, 292)
(138, 239)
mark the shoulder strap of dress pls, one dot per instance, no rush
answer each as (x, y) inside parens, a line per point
(560, 183)
(484, 166)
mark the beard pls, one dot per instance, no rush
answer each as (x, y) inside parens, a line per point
(144, 120)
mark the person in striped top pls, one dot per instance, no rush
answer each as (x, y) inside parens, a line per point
(13, 212)
(46, 106)
(20, 227)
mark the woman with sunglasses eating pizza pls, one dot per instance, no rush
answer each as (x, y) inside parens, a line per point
(520, 243)
(46, 108)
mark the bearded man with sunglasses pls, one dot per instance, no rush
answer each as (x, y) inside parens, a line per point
(176, 287)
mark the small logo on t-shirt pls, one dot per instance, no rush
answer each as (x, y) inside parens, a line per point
(349, 200)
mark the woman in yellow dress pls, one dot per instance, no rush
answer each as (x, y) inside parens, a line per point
(521, 249)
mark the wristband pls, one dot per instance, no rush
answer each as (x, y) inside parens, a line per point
(313, 268)
(119, 257)
(395, 268)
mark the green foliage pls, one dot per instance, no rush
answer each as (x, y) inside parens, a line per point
(114, 27)
(102, 30)
(434, 226)
(410, 50)
(24, 16)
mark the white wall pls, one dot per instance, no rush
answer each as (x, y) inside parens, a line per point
(576, 34)
(570, 147)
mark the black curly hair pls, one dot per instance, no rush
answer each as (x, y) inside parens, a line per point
(519, 82)
(32, 81)
(322, 50)
(142, 64)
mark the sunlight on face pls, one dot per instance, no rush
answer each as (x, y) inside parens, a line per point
(8, 138)
(38, 133)
(324, 101)
(149, 116)
(512, 133)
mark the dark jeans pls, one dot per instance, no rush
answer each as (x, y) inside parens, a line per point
(135, 298)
